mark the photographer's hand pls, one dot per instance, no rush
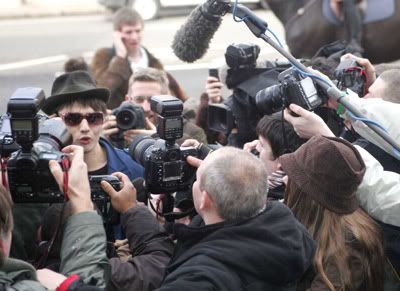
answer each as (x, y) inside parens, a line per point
(120, 48)
(368, 68)
(110, 125)
(190, 142)
(214, 90)
(194, 162)
(307, 123)
(124, 199)
(50, 279)
(78, 183)
(150, 130)
(249, 146)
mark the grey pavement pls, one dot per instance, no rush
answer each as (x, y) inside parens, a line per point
(12, 9)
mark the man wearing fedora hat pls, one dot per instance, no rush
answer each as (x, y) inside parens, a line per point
(82, 106)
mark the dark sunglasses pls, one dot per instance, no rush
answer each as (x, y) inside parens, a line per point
(74, 118)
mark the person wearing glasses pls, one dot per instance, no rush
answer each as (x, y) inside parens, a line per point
(148, 82)
(82, 106)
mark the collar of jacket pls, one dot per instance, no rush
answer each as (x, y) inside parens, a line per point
(198, 229)
(114, 162)
(16, 270)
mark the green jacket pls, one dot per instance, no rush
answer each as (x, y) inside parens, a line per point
(83, 252)
(19, 275)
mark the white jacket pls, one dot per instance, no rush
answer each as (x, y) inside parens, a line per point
(379, 191)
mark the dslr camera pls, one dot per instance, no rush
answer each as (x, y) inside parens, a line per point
(128, 116)
(29, 177)
(293, 88)
(164, 162)
(31, 141)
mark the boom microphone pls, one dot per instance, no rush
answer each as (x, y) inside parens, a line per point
(192, 40)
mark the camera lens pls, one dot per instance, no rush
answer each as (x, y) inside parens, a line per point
(139, 146)
(270, 100)
(126, 119)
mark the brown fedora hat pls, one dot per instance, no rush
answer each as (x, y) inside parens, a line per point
(76, 85)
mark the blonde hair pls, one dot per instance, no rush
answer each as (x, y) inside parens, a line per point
(150, 75)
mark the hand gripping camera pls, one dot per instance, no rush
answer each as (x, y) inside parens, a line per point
(166, 169)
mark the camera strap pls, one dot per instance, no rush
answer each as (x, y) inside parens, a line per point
(65, 168)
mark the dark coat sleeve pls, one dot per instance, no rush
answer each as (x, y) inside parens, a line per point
(151, 251)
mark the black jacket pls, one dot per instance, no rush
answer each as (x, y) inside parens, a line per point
(270, 251)
(151, 251)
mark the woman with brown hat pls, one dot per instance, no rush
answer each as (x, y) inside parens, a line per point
(323, 175)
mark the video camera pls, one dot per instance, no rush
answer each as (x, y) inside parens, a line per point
(292, 87)
(35, 141)
(243, 76)
(128, 116)
(164, 162)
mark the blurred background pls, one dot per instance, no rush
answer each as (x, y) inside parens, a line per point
(38, 36)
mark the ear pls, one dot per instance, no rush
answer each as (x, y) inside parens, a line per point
(206, 202)
(127, 97)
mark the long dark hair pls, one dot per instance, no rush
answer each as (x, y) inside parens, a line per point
(334, 235)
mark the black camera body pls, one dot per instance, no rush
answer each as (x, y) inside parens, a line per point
(128, 116)
(29, 177)
(97, 193)
(293, 88)
(7, 143)
(349, 74)
(164, 162)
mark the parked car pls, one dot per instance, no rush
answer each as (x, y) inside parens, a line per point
(150, 9)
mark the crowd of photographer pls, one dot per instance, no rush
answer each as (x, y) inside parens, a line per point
(276, 187)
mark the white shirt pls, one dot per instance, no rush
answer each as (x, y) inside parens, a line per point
(142, 63)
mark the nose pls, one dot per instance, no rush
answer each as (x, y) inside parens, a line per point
(146, 106)
(84, 126)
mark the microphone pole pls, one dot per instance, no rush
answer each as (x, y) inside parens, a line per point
(258, 27)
